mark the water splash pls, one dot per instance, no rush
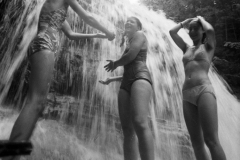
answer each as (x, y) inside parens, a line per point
(19, 32)
(92, 115)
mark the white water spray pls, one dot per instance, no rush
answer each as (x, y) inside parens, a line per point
(96, 132)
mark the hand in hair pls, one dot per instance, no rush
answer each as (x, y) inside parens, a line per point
(200, 18)
(186, 22)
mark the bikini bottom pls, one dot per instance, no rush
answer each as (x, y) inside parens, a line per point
(193, 94)
(45, 40)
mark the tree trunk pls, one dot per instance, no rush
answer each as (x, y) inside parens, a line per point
(226, 34)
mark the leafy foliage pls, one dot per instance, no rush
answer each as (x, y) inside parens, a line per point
(234, 45)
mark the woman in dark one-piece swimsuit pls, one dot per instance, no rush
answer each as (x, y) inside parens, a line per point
(135, 93)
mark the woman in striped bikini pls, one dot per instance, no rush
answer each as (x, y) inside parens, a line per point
(52, 21)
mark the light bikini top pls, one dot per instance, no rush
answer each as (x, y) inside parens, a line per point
(193, 54)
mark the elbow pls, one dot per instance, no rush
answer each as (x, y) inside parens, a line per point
(210, 30)
(70, 36)
(171, 32)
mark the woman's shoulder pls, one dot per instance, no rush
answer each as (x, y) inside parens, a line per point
(140, 34)
(141, 38)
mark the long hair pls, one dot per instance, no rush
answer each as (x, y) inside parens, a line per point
(124, 34)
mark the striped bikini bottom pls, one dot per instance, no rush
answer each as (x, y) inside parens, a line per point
(48, 39)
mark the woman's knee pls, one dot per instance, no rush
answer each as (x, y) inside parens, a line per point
(211, 140)
(140, 123)
(39, 108)
(37, 95)
(36, 101)
(128, 130)
(197, 141)
(197, 145)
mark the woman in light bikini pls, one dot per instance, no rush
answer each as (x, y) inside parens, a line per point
(199, 100)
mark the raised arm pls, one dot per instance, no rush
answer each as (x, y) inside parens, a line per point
(76, 36)
(176, 38)
(89, 19)
(136, 44)
(211, 40)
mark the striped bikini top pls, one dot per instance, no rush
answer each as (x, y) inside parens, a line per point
(193, 54)
(53, 19)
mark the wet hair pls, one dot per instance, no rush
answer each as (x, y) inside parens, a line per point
(139, 24)
(204, 34)
(123, 40)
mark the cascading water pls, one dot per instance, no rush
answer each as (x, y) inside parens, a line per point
(88, 126)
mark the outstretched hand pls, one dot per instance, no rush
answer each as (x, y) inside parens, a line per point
(111, 36)
(110, 66)
(106, 81)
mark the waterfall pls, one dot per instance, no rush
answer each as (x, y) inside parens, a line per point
(85, 123)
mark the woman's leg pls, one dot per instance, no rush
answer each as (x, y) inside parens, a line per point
(141, 92)
(130, 140)
(190, 113)
(208, 118)
(42, 64)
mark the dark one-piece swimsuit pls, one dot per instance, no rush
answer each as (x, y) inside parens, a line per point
(135, 70)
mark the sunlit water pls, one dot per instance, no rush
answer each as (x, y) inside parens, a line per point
(85, 125)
